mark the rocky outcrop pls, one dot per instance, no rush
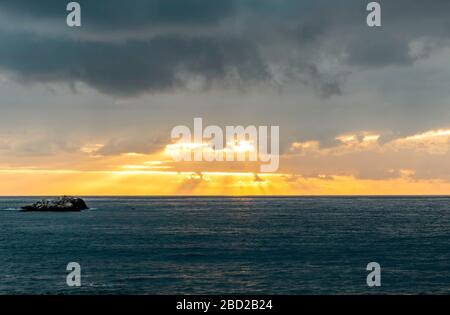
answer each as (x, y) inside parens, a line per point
(61, 204)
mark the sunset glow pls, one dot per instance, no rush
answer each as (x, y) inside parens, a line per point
(136, 174)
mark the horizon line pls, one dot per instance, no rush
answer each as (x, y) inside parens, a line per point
(229, 196)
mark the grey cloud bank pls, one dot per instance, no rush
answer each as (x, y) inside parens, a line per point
(130, 68)
(165, 44)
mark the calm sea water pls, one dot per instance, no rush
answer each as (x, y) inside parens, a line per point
(228, 246)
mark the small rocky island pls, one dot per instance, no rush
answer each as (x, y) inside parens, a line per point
(61, 204)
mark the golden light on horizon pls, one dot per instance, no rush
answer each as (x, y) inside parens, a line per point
(91, 173)
(29, 182)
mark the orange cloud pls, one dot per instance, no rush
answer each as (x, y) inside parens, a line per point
(234, 184)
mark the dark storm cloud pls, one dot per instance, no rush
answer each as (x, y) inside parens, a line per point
(290, 36)
(120, 14)
(132, 67)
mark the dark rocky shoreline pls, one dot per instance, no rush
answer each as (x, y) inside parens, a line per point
(61, 204)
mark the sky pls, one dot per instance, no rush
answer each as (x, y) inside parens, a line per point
(89, 110)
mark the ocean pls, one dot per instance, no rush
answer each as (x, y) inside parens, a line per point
(220, 245)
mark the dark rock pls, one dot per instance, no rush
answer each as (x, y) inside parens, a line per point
(61, 204)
